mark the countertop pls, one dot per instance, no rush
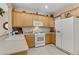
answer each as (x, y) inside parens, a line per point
(13, 44)
(50, 32)
(31, 34)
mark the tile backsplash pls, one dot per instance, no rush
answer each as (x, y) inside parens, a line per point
(32, 29)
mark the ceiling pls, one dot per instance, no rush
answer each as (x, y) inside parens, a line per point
(52, 8)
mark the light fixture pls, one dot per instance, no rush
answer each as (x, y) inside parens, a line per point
(46, 6)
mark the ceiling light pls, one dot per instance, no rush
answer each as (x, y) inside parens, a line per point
(46, 6)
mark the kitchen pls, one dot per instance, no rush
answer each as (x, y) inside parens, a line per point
(34, 26)
(37, 29)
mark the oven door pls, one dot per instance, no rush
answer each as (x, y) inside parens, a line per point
(39, 39)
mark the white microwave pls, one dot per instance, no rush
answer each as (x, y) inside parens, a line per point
(37, 23)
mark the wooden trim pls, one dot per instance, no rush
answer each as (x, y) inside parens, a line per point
(67, 11)
(29, 13)
(70, 10)
(57, 16)
(20, 53)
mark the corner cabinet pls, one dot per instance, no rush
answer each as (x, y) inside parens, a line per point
(21, 19)
(48, 39)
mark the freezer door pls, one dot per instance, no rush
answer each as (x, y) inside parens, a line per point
(58, 27)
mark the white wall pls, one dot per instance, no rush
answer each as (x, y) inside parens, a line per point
(4, 18)
(10, 16)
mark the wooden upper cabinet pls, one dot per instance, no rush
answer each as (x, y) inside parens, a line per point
(41, 18)
(21, 19)
(45, 20)
(52, 22)
(35, 17)
(17, 19)
(27, 20)
(48, 21)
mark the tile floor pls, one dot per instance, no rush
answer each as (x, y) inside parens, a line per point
(47, 50)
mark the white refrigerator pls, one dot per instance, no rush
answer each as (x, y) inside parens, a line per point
(70, 32)
(58, 28)
(67, 34)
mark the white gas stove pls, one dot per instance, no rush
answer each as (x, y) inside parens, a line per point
(39, 39)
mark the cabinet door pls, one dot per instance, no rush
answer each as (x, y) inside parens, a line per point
(48, 39)
(35, 17)
(53, 40)
(52, 23)
(27, 20)
(22, 19)
(45, 20)
(30, 41)
(17, 19)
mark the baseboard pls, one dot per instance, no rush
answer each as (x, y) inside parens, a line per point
(64, 51)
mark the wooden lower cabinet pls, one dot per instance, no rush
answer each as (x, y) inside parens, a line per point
(49, 39)
(53, 40)
(30, 40)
